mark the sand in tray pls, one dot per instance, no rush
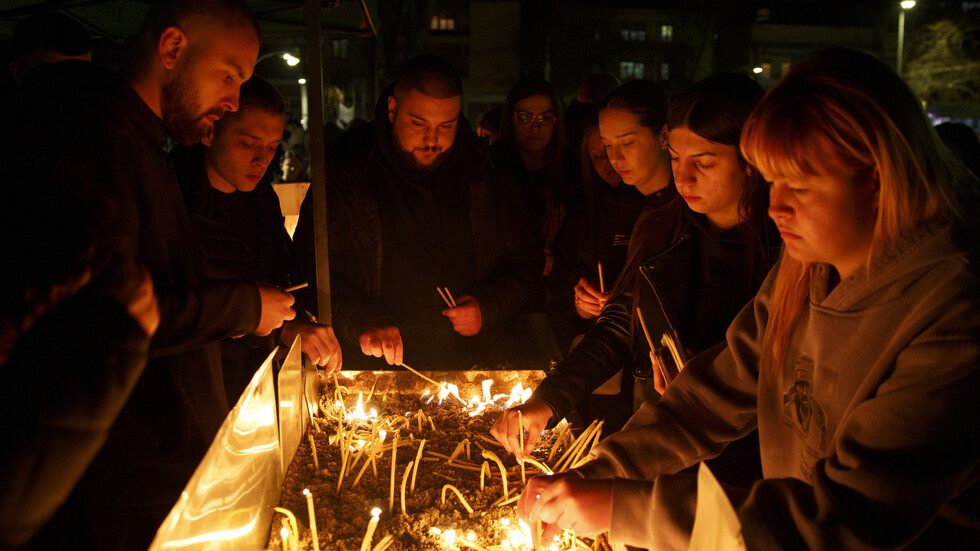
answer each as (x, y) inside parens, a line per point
(456, 434)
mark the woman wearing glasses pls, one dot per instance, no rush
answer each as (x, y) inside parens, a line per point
(530, 148)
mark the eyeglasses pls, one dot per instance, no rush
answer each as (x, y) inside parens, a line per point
(524, 118)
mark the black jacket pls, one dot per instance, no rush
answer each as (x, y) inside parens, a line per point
(87, 126)
(597, 231)
(505, 260)
(66, 380)
(241, 237)
(701, 281)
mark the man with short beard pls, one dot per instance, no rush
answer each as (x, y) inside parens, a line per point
(413, 204)
(105, 134)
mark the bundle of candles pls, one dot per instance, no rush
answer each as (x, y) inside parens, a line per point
(383, 469)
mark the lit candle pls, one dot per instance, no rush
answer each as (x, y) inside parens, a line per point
(294, 533)
(313, 532)
(284, 534)
(369, 534)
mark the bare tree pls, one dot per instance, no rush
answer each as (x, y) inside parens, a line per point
(944, 61)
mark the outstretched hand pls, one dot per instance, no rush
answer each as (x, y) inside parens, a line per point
(566, 501)
(383, 341)
(589, 301)
(535, 415)
(318, 342)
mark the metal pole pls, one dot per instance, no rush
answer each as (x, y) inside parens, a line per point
(314, 82)
(901, 40)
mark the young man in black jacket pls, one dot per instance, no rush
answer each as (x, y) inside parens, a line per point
(238, 222)
(414, 205)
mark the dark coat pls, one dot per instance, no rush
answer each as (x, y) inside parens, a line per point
(86, 126)
(597, 231)
(66, 380)
(702, 282)
(693, 289)
(505, 258)
(241, 237)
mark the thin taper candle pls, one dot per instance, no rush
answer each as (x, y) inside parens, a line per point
(309, 506)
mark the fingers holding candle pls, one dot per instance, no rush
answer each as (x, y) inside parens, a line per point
(533, 415)
(466, 316)
(589, 301)
(567, 501)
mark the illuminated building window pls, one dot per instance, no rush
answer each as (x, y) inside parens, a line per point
(442, 23)
(665, 71)
(631, 69)
(667, 33)
(634, 33)
(767, 70)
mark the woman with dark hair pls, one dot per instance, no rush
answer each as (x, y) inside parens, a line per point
(689, 271)
(596, 231)
(530, 148)
(858, 360)
(630, 126)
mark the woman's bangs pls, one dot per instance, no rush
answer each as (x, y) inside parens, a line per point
(774, 142)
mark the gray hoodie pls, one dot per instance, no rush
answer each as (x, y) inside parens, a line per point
(870, 435)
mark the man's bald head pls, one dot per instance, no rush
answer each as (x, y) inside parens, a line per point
(193, 15)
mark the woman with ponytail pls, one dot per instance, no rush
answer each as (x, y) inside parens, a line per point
(858, 360)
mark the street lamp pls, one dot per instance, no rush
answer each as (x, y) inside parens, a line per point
(906, 5)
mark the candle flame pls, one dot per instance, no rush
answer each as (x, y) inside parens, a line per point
(517, 395)
(376, 512)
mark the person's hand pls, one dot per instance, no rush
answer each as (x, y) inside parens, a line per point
(467, 318)
(383, 341)
(317, 341)
(143, 305)
(589, 301)
(277, 307)
(535, 415)
(659, 384)
(567, 501)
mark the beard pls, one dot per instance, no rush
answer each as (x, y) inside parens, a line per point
(408, 157)
(178, 101)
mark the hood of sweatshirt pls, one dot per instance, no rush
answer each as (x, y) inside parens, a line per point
(880, 280)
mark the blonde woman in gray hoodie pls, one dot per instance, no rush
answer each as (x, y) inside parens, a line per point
(858, 360)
